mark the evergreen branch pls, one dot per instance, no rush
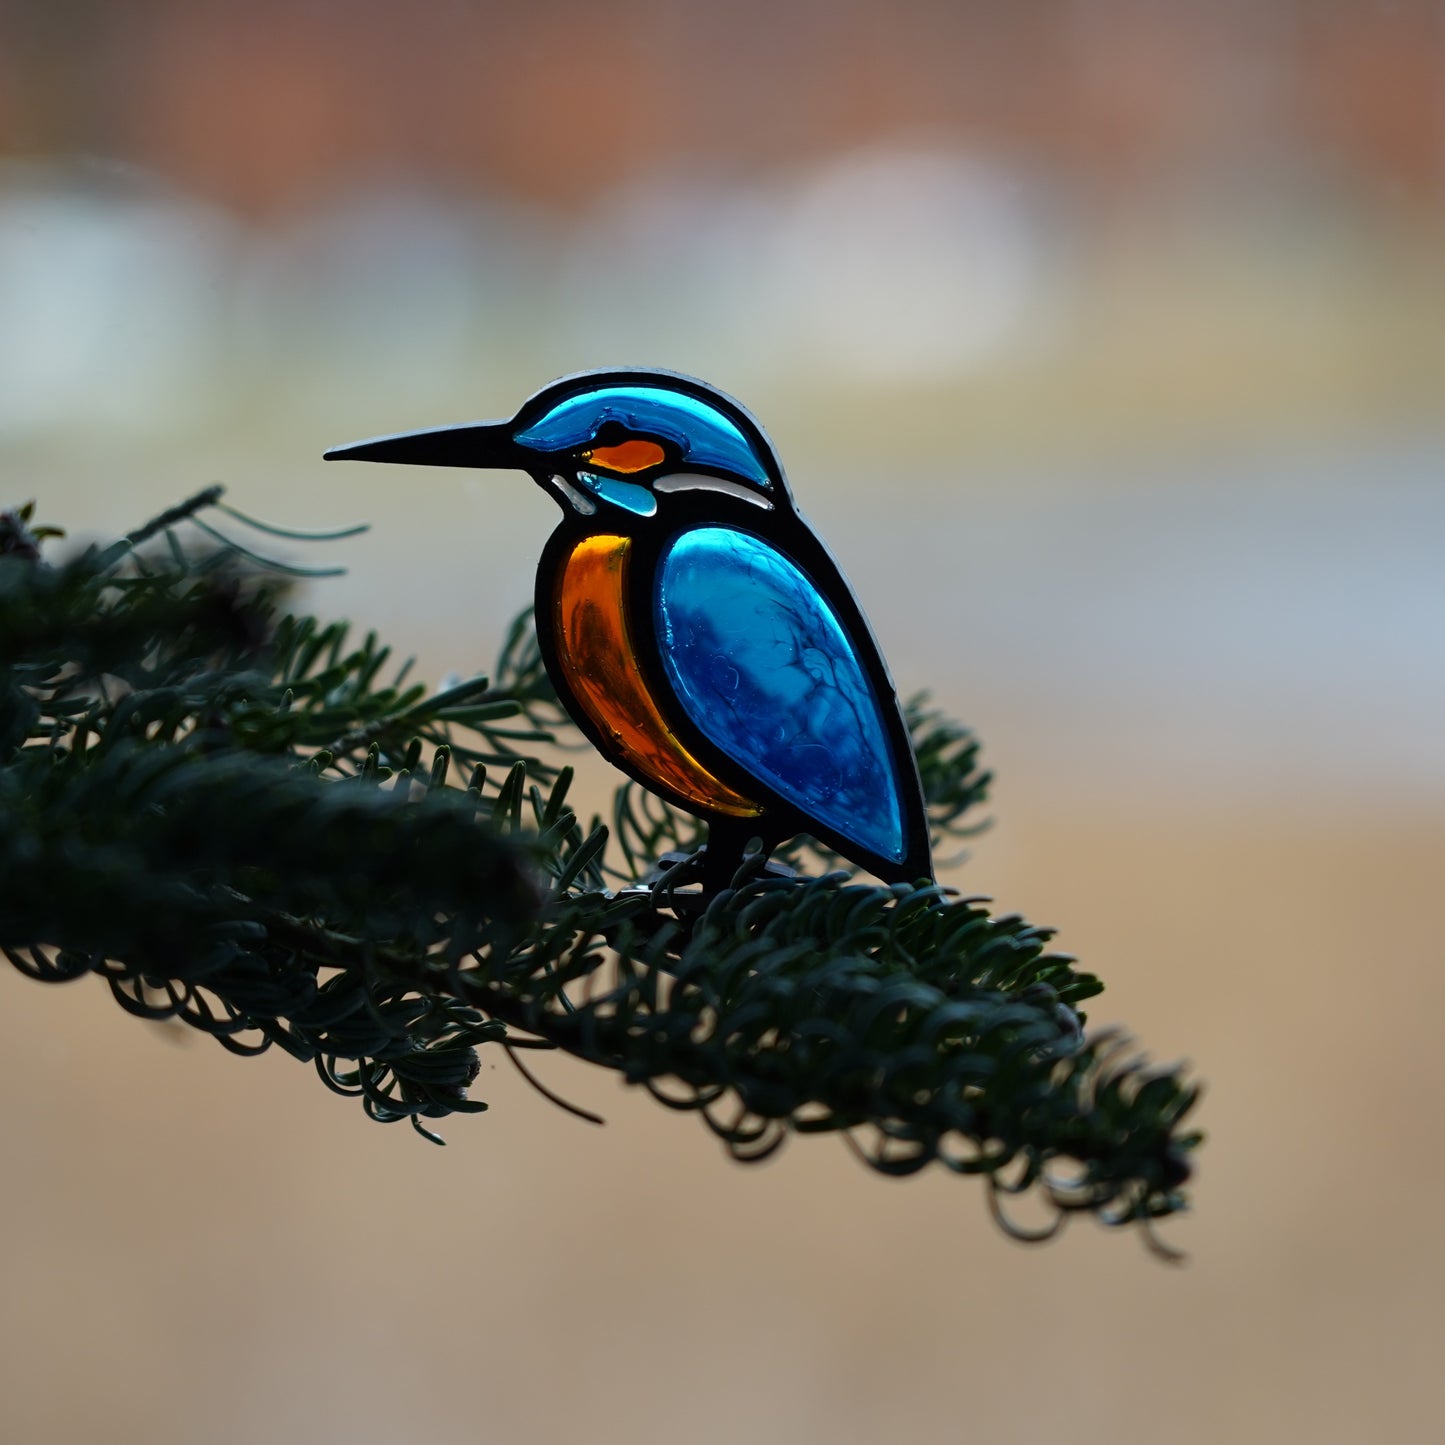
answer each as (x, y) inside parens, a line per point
(181, 512)
(242, 819)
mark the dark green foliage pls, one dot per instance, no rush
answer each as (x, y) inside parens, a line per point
(241, 818)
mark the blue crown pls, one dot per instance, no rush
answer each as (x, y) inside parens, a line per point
(702, 434)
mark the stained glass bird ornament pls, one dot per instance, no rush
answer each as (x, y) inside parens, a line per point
(693, 624)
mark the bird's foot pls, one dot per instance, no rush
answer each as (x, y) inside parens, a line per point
(690, 881)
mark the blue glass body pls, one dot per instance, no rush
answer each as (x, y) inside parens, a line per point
(704, 436)
(766, 672)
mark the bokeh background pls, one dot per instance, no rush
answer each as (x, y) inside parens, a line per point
(1105, 342)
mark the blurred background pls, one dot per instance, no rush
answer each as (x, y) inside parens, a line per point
(1105, 342)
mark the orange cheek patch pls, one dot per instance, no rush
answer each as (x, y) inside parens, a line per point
(634, 455)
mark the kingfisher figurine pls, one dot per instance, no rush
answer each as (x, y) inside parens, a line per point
(693, 624)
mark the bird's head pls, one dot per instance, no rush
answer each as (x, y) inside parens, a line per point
(605, 444)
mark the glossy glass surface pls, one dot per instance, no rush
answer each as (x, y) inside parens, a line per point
(594, 647)
(703, 435)
(578, 501)
(705, 482)
(633, 455)
(764, 669)
(629, 495)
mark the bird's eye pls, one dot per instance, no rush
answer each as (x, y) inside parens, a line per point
(635, 454)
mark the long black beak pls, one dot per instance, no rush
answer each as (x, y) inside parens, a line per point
(475, 444)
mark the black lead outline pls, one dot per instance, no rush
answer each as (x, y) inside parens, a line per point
(783, 528)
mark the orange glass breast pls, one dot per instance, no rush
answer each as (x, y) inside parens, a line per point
(595, 650)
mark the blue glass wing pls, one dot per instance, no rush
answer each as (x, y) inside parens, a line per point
(703, 435)
(763, 668)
